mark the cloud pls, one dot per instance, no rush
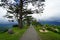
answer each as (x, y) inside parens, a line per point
(51, 12)
(2, 12)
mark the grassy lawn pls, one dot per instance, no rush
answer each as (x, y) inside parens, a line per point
(16, 36)
(47, 36)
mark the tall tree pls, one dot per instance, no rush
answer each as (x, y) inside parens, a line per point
(19, 8)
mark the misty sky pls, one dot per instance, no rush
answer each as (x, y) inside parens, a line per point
(51, 12)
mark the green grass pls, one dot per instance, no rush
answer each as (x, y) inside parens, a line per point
(16, 36)
(47, 36)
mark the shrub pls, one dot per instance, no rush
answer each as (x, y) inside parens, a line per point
(53, 29)
(15, 25)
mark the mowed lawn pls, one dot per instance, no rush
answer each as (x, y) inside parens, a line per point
(16, 36)
(47, 35)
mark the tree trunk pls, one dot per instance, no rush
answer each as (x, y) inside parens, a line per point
(20, 24)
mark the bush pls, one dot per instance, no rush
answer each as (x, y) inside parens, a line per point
(53, 29)
(49, 28)
(15, 25)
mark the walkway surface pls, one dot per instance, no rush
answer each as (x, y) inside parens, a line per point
(30, 34)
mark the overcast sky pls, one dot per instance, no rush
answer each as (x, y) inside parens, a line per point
(51, 12)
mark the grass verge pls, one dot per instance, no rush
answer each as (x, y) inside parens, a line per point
(16, 36)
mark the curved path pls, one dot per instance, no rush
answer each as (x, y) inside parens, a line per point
(30, 34)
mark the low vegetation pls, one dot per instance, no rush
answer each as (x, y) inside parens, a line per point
(15, 36)
(53, 28)
(52, 34)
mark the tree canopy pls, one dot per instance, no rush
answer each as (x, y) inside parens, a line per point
(19, 8)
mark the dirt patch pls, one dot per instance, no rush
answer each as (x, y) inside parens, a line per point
(43, 31)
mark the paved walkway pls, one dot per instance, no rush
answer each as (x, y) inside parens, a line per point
(30, 34)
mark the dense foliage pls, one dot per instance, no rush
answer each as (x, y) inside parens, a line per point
(19, 9)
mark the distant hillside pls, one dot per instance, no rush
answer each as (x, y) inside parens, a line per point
(5, 22)
(50, 22)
